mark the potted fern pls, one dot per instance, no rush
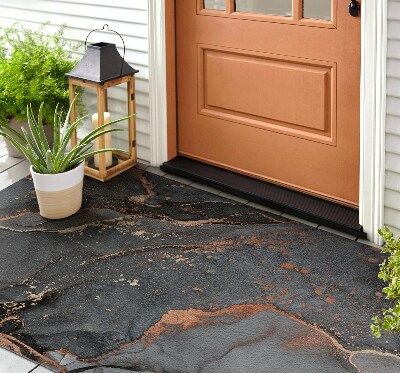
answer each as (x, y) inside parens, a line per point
(57, 171)
(32, 70)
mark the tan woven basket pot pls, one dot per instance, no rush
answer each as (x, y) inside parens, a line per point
(59, 195)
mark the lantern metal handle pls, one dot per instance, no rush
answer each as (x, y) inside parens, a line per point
(108, 29)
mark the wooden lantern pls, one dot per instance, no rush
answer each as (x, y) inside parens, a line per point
(101, 68)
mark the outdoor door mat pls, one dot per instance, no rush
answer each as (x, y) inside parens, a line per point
(283, 199)
(155, 276)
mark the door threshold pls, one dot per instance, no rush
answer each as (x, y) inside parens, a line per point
(289, 201)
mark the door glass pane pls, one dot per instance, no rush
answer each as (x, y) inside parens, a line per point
(274, 7)
(317, 9)
(215, 4)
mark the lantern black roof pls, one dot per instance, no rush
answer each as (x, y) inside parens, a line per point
(101, 63)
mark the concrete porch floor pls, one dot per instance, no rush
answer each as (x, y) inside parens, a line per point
(12, 170)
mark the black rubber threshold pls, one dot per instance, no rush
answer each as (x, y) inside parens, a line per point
(289, 201)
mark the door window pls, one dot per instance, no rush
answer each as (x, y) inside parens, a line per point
(273, 7)
(215, 4)
(317, 9)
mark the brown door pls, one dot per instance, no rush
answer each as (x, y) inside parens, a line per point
(270, 89)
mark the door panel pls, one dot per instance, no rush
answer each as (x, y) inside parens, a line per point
(274, 82)
(272, 97)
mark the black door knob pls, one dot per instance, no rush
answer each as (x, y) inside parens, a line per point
(354, 8)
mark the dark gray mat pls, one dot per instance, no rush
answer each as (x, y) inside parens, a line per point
(143, 245)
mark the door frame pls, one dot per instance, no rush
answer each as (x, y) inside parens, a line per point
(163, 114)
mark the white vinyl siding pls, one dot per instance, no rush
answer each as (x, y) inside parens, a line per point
(127, 17)
(392, 176)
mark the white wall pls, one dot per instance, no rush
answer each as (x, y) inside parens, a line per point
(392, 179)
(128, 17)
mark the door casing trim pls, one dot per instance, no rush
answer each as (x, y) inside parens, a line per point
(157, 82)
(373, 116)
(163, 123)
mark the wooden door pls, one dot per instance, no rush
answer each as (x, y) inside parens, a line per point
(270, 89)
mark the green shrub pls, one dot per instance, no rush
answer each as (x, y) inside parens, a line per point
(32, 70)
(390, 274)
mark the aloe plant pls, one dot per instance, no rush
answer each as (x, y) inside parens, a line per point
(56, 159)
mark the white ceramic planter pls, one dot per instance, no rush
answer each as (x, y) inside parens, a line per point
(59, 195)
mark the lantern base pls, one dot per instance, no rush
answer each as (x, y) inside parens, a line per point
(113, 164)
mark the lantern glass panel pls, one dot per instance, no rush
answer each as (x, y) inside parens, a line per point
(89, 102)
(118, 108)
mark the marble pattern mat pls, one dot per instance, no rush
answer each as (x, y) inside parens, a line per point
(156, 276)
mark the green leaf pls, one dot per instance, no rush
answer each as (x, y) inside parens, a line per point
(49, 163)
(376, 331)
